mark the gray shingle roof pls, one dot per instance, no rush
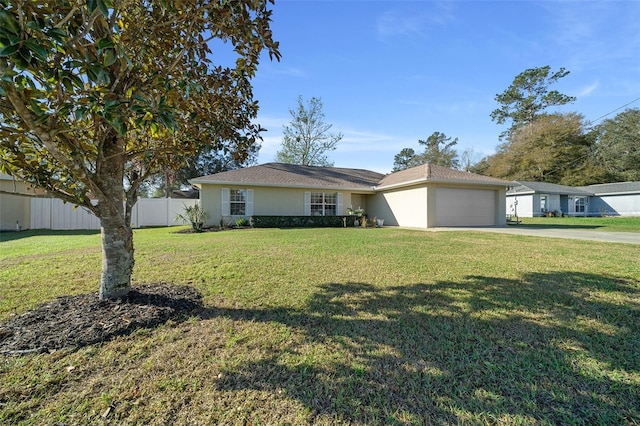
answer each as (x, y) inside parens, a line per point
(547, 188)
(613, 188)
(293, 175)
(434, 173)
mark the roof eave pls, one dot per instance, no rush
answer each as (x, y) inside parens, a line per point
(199, 182)
(446, 181)
(529, 192)
(618, 193)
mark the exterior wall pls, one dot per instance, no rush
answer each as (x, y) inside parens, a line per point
(501, 205)
(524, 208)
(553, 204)
(572, 206)
(401, 207)
(357, 201)
(529, 205)
(615, 205)
(14, 212)
(14, 209)
(414, 207)
(269, 201)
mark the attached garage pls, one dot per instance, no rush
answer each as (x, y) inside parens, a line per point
(465, 207)
(424, 196)
(447, 198)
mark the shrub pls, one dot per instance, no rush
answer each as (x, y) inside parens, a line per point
(195, 215)
(302, 221)
(242, 222)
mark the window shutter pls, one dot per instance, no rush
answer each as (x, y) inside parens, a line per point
(339, 211)
(249, 206)
(226, 207)
(307, 203)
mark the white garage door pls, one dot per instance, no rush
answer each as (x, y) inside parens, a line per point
(465, 207)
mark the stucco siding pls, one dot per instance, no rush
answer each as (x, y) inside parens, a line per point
(405, 207)
(15, 210)
(266, 201)
(524, 208)
(615, 205)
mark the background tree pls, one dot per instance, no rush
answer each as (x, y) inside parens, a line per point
(528, 96)
(468, 159)
(306, 139)
(438, 149)
(97, 96)
(553, 148)
(404, 159)
(618, 146)
(211, 159)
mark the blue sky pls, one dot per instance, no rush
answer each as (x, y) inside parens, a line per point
(392, 72)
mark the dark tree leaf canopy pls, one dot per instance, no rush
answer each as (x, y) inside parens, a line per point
(438, 149)
(618, 146)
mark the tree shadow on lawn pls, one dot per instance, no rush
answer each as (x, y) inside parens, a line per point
(556, 347)
(546, 348)
(6, 236)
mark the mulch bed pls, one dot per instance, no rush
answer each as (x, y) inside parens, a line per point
(76, 321)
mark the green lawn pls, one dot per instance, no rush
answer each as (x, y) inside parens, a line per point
(340, 326)
(612, 224)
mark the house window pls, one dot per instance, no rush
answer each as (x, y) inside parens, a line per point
(323, 204)
(237, 202)
(544, 203)
(580, 204)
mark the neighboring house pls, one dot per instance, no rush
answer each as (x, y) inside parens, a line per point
(422, 197)
(533, 199)
(15, 203)
(615, 199)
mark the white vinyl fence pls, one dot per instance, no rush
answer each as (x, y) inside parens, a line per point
(52, 213)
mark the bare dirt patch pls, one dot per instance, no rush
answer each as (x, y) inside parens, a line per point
(76, 321)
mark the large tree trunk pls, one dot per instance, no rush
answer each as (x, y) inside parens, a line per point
(117, 257)
(115, 221)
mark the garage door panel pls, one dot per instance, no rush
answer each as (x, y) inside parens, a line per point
(465, 207)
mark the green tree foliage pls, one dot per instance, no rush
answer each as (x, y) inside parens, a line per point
(553, 148)
(210, 159)
(307, 138)
(438, 149)
(405, 159)
(618, 146)
(97, 96)
(528, 96)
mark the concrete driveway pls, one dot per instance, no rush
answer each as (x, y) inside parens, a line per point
(576, 234)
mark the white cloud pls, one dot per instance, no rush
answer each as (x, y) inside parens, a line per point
(291, 72)
(593, 34)
(413, 23)
(588, 90)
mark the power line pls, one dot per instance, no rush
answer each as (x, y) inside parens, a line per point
(591, 123)
(589, 127)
